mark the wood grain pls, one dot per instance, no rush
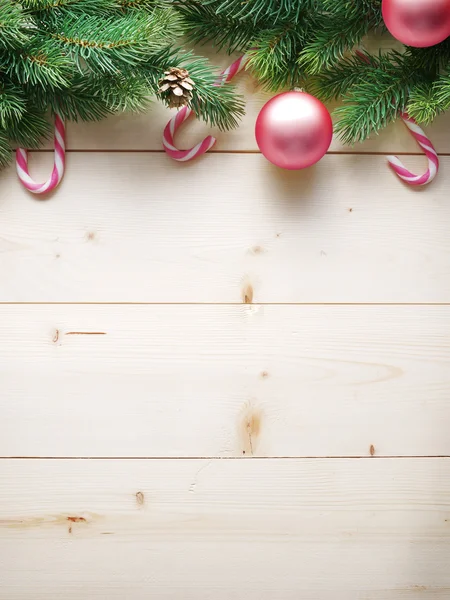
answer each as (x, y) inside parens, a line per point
(141, 228)
(250, 530)
(235, 381)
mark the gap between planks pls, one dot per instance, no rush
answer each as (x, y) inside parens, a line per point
(148, 151)
(106, 303)
(221, 458)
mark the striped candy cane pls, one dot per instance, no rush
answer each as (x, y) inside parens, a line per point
(427, 147)
(174, 124)
(58, 167)
(424, 142)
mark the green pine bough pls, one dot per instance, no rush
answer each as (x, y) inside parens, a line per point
(90, 58)
(311, 44)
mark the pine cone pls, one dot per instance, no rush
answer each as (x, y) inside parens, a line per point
(176, 85)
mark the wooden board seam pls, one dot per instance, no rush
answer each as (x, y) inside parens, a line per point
(100, 303)
(221, 458)
(149, 151)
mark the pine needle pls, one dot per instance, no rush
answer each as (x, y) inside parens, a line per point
(87, 59)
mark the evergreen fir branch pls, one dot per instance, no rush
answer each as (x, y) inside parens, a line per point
(431, 61)
(12, 31)
(159, 61)
(91, 98)
(376, 100)
(107, 45)
(81, 100)
(374, 109)
(124, 93)
(90, 58)
(274, 11)
(219, 105)
(32, 128)
(147, 5)
(12, 104)
(5, 149)
(321, 34)
(201, 24)
(334, 38)
(424, 103)
(353, 9)
(74, 7)
(336, 82)
(271, 60)
(428, 100)
(37, 63)
(442, 89)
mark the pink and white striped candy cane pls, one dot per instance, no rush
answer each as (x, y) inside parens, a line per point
(174, 124)
(430, 152)
(58, 166)
(424, 142)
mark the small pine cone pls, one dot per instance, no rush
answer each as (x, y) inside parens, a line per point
(176, 86)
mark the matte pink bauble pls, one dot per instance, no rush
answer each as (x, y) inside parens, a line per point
(418, 23)
(294, 130)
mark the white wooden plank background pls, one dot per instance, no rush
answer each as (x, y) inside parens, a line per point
(324, 530)
(224, 381)
(185, 325)
(127, 227)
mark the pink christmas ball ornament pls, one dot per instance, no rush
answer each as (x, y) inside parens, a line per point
(418, 23)
(294, 130)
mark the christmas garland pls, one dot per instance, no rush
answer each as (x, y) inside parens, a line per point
(311, 44)
(85, 59)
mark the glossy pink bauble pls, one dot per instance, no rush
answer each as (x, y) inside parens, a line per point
(294, 130)
(418, 23)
